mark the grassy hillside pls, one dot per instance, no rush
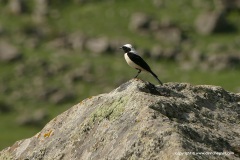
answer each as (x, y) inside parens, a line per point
(52, 75)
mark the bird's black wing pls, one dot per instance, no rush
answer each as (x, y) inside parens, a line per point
(139, 61)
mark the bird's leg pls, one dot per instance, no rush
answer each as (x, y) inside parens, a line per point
(139, 71)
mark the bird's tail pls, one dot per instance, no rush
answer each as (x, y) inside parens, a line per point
(155, 76)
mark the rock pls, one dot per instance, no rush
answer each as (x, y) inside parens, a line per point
(170, 34)
(8, 52)
(197, 56)
(59, 42)
(143, 52)
(157, 52)
(217, 48)
(44, 92)
(222, 61)
(116, 43)
(57, 67)
(194, 59)
(37, 118)
(40, 11)
(98, 45)
(139, 120)
(60, 97)
(158, 3)
(210, 22)
(83, 73)
(154, 26)
(17, 7)
(139, 22)
(77, 41)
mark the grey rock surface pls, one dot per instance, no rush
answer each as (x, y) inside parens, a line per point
(138, 120)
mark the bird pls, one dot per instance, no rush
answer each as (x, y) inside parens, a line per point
(135, 61)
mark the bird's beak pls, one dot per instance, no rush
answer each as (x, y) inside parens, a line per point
(120, 48)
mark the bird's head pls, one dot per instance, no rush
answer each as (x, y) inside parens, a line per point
(127, 48)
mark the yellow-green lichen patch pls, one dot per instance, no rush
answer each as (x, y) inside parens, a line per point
(110, 111)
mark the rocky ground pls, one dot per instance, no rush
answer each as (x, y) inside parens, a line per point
(139, 120)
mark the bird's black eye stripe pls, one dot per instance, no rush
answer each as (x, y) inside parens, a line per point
(126, 49)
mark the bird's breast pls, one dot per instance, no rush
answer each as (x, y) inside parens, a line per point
(131, 63)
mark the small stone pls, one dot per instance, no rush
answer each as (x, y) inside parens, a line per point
(61, 97)
(139, 21)
(156, 52)
(158, 3)
(224, 61)
(59, 42)
(77, 41)
(170, 34)
(196, 56)
(98, 45)
(17, 6)
(37, 118)
(8, 52)
(40, 11)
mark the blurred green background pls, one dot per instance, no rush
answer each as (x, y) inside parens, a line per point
(55, 53)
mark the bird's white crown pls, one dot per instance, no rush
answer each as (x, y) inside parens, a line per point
(128, 45)
(131, 48)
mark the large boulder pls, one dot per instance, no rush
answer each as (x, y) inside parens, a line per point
(139, 120)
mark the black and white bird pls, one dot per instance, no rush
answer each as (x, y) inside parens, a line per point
(135, 61)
